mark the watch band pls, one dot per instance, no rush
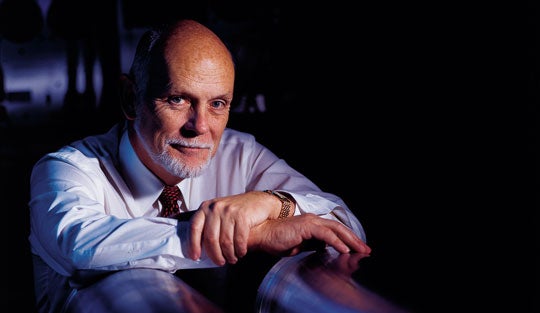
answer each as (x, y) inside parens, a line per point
(285, 203)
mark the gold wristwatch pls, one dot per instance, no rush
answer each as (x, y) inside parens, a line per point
(285, 203)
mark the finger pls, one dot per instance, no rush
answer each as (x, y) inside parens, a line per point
(354, 242)
(226, 239)
(241, 239)
(210, 239)
(351, 240)
(294, 251)
(336, 235)
(329, 236)
(195, 233)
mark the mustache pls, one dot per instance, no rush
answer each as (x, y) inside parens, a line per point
(189, 144)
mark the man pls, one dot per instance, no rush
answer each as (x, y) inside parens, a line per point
(95, 205)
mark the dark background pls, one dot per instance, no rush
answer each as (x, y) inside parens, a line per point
(421, 117)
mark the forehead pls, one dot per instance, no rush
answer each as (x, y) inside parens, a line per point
(199, 58)
(197, 47)
(194, 60)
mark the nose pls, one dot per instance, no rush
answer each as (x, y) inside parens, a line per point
(197, 120)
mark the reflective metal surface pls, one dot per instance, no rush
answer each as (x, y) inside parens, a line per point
(318, 281)
(141, 291)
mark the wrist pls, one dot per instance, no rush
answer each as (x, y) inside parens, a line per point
(286, 203)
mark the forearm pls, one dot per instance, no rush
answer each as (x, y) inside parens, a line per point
(328, 206)
(270, 172)
(75, 239)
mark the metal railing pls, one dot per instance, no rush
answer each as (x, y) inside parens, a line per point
(318, 281)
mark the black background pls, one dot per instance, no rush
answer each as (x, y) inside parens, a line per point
(422, 117)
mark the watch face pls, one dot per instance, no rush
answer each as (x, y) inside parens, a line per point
(278, 194)
(285, 203)
(282, 196)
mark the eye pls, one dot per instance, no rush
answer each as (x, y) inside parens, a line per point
(176, 100)
(218, 105)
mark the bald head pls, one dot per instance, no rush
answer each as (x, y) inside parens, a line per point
(173, 50)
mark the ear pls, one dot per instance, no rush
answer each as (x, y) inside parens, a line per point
(127, 96)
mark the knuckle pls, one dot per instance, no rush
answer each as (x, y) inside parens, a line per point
(194, 227)
(211, 240)
(225, 242)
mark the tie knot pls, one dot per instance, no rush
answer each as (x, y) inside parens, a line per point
(169, 199)
(170, 193)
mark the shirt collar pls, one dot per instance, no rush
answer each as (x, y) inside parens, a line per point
(144, 185)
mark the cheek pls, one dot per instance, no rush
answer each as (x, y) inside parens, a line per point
(219, 121)
(153, 132)
(166, 123)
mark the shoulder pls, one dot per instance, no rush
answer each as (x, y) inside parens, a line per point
(232, 136)
(91, 149)
(237, 144)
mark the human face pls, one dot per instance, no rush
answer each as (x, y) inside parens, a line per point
(178, 129)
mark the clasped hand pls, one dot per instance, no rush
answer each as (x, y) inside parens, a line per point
(228, 227)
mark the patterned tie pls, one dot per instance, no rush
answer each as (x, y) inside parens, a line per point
(169, 199)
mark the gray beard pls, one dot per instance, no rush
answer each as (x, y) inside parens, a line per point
(177, 168)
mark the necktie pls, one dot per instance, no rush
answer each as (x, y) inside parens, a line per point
(169, 199)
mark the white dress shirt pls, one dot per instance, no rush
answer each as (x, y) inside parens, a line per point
(93, 204)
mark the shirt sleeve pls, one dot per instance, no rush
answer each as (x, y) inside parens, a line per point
(268, 171)
(79, 222)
